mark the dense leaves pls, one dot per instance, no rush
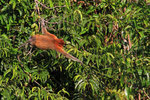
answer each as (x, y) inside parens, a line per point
(111, 37)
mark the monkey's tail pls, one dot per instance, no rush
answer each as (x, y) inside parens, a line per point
(73, 58)
(69, 55)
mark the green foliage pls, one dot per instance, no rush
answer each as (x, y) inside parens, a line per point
(109, 71)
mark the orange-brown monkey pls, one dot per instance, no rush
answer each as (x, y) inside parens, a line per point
(50, 41)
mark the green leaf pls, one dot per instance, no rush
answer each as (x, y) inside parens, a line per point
(69, 66)
(6, 72)
(51, 4)
(67, 3)
(14, 72)
(76, 12)
(77, 77)
(14, 5)
(139, 71)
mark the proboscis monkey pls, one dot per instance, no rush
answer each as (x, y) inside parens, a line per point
(50, 41)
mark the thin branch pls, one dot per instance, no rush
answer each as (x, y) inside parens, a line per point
(139, 96)
(146, 95)
(38, 11)
(130, 44)
(29, 51)
(36, 2)
(30, 78)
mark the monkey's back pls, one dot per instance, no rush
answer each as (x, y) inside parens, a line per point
(42, 42)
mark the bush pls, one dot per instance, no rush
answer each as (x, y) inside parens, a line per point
(110, 37)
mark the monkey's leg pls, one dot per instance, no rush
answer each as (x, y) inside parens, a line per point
(24, 44)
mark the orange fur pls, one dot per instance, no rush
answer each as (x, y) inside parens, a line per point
(43, 42)
(60, 50)
(50, 41)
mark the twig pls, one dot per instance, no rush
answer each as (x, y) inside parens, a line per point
(130, 44)
(36, 2)
(29, 51)
(139, 96)
(38, 11)
(146, 95)
(18, 57)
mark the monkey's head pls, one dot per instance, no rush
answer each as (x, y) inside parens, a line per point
(61, 42)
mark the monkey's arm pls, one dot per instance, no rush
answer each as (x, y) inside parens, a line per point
(28, 41)
(60, 50)
(44, 30)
